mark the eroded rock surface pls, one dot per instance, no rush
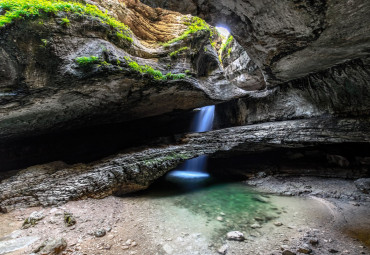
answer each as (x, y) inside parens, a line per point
(343, 90)
(57, 183)
(43, 89)
(289, 39)
(240, 69)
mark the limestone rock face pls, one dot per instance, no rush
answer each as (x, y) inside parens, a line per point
(289, 39)
(342, 90)
(57, 183)
(43, 89)
(240, 69)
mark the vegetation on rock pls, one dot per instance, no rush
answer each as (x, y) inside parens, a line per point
(156, 74)
(28, 9)
(87, 61)
(226, 44)
(194, 24)
(174, 53)
(65, 22)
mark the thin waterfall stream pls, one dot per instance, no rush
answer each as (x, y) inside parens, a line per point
(194, 170)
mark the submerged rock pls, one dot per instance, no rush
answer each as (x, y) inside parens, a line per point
(223, 249)
(235, 236)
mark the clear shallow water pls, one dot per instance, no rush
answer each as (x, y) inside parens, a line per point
(233, 206)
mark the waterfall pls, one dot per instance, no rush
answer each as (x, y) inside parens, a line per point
(194, 169)
(203, 121)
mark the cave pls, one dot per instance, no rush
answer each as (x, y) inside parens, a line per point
(197, 127)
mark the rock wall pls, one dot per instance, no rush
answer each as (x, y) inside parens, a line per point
(239, 68)
(343, 90)
(43, 89)
(289, 39)
(58, 183)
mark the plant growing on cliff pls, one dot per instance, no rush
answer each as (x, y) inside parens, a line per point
(27, 9)
(226, 43)
(174, 53)
(87, 61)
(194, 24)
(125, 37)
(156, 74)
(65, 22)
(44, 43)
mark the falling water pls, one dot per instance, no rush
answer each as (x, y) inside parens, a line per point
(194, 169)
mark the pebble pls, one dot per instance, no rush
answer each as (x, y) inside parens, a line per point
(304, 250)
(125, 247)
(288, 252)
(223, 249)
(255, 225)
(128, 242)
(235, 236)
(219, 218)
(278, 224)
(100, 233)
(314, 241)
(333, 251)
(222, 214)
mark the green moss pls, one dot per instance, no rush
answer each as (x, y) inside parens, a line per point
(27, 9)
(124, 37)
(87, 61)
(44, 43)
(156, 74)
(65, 22)
(228, 52)
(226, 43)
(194, 24)
(174, 53)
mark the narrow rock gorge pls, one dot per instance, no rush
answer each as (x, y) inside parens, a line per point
(98, 104)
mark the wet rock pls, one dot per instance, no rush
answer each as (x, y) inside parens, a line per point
(52, 247)
(33, 219)
(261, 198)
(69, 219)
(13, 243)
(223, 249)
(100, 233)
(256, 225)
(363, 185)
(235, 236)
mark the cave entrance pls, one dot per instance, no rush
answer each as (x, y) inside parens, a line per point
(223, 30)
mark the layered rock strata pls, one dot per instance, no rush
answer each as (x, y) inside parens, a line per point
(289, 39)
(58, 183)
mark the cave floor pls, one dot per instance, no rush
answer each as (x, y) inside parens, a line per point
(153, 223)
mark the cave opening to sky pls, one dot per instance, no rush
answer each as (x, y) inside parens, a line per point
(224, 31)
